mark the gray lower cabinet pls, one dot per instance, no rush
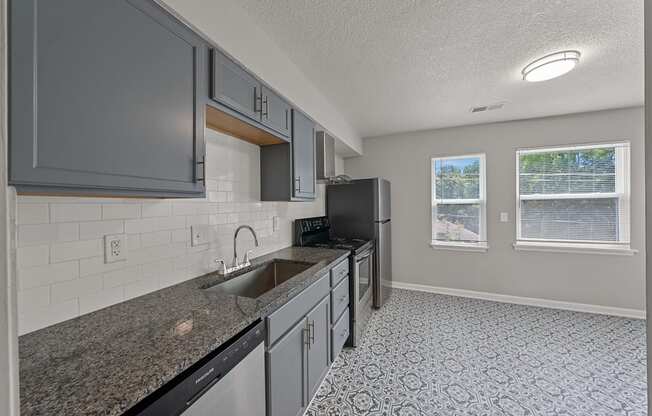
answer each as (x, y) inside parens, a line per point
(298, 362)
(318, 356)
(106, 98)
(287, 171)
(286, 373)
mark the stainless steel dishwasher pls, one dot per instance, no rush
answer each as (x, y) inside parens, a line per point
(230, 381)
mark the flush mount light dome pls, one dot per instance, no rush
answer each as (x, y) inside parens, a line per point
(551, 66)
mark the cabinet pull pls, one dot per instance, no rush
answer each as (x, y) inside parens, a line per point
(311, 328)
(258, 101)
(266, 104)
(306, 332)
(297, 183)
(203, 164)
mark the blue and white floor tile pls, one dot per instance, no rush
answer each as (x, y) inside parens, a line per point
(435, 355)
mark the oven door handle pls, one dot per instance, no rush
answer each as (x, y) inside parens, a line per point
(364, 256)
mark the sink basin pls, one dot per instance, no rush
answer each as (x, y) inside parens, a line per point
(261, 279)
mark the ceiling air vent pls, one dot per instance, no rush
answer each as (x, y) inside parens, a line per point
(489, 107)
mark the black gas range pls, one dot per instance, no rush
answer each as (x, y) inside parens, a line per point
(316, 232)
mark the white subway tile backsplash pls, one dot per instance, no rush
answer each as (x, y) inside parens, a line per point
(33, 214)
(75, 288)
(156, 238)
(60, 260)
(122, 277)
(98, 229)
(32, 256)
(46, 275)
(76, 250)
(120, 211)
(75, 212)
(98, 300)
(156, 209)
(38, 234)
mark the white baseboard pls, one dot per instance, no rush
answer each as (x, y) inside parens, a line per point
(544, 303)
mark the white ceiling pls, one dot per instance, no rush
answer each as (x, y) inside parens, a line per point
(403, 65)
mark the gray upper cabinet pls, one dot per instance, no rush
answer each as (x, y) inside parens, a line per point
(234, 87)
(247, 97)
(106, 97)
(275, 112)
(287, 171)
(303, 155)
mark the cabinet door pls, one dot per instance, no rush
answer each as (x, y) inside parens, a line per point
(234, 87)
(275, 112)
(286, 373)
(303, 155)
(318, 354)
(105, 98)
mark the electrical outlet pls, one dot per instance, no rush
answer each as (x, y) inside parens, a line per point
(275, 224)
(504, 217)
(115, 248)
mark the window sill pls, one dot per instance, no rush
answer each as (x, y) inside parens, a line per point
(468, 247)
(613, 250)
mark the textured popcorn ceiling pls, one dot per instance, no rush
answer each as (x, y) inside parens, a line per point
(400, 65)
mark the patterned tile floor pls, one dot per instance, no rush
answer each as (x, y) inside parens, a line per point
(436, 355)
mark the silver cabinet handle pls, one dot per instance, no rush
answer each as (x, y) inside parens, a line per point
(306, 332)
(297, 182)
(258, 101)
(266, 104)
(311, 327)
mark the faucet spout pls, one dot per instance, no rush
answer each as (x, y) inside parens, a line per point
(235, 241)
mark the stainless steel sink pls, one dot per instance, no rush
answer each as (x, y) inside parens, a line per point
(262, 278)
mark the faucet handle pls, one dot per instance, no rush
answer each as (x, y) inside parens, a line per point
(222, 268)
(247, 260)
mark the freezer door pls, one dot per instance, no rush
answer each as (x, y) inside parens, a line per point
(383, 275)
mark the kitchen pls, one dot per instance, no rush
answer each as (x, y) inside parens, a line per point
(188, 236)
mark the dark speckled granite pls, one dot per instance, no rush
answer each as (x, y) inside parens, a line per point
(105, 362)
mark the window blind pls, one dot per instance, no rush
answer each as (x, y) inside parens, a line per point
(574, 194)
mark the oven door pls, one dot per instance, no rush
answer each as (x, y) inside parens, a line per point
(363, 293)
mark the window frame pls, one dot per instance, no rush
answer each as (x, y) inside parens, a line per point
(623, 193)
(481, 245)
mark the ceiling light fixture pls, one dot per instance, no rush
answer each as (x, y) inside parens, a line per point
(551, 66)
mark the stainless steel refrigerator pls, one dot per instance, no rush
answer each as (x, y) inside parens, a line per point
(362, 209)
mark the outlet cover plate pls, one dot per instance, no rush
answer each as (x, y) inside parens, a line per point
(200, 235)
(115, 248)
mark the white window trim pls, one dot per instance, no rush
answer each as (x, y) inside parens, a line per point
(579, 247)
(575, 248)
(469, 246)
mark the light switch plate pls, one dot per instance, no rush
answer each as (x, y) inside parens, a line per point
(115, 248)
(504, 217)
(275, 220)
(200, 235)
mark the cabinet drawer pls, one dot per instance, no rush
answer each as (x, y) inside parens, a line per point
(339, 299)
(283, 319)
(339, 272)
(339, 334)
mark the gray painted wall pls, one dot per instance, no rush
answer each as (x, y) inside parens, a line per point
(613, 281)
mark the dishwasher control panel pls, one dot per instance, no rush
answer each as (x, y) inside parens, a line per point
(180, 393)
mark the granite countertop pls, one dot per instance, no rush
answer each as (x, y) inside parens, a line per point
(105, 362)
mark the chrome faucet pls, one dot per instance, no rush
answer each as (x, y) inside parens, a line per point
(245, 261)
(224, 270)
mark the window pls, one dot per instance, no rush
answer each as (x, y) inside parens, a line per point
(574, 196)
(459, 202)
